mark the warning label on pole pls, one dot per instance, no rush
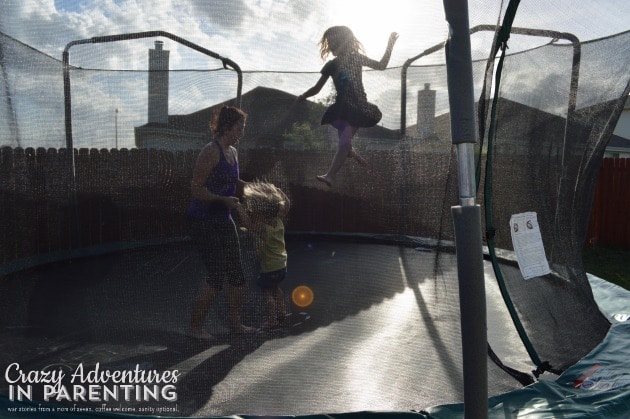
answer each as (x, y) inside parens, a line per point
(528, 245)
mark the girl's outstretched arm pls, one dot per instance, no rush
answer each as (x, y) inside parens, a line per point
(315, 89)
(382, 65)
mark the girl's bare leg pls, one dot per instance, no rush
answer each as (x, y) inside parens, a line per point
(275, 307)
(354, 154)
(270, 310)
(281, 309)
(343, 151)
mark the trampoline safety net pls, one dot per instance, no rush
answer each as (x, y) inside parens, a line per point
(99, 272)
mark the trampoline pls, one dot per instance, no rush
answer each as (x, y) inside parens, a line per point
(368, 334)
(414, 292)
(369, 342)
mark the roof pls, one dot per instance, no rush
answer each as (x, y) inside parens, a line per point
(619, 142)
(270, 113)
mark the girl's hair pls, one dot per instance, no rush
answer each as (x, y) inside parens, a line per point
(225, 119)
(263, 199)
(342, 36)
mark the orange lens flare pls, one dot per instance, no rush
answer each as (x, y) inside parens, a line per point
(302, 296)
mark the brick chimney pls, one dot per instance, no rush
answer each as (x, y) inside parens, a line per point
(158, 84)
(426, 112)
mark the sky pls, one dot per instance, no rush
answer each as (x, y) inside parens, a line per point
(282, 34)
(273, 41)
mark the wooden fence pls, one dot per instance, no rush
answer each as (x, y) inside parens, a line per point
(140, 195)
(123, 196)
(610, 214)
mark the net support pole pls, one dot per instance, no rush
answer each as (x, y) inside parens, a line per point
(467, 215)
(472, 303)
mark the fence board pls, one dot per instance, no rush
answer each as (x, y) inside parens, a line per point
(139, 195)
(610, 220)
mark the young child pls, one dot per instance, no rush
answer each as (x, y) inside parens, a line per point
(351, 110)
(265, 208)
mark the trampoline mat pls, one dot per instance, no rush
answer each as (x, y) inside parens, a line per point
(382, 332)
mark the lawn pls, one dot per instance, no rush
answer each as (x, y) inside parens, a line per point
(609, 263)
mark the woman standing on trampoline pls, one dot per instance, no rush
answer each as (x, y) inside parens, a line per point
(214, 189)
(351, 110)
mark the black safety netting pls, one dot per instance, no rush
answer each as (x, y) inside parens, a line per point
(98, 268)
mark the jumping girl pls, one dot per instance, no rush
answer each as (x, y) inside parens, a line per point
(351, 110)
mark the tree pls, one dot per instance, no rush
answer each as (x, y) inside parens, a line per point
(308, 133)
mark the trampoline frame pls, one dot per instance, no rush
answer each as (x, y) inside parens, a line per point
(72, 193)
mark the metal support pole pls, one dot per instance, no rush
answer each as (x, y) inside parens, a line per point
(467, 216)
(116, 127)
(472, 303)
(73, 201)
(75, 228)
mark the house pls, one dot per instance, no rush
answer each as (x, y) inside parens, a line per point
(618, 148)
(619, 145)
(273, 115)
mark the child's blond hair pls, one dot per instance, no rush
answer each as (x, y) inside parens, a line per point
(263, 199)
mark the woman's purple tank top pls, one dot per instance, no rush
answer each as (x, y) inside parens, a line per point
(222, 181)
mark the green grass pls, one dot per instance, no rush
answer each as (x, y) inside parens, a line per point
(609, 263)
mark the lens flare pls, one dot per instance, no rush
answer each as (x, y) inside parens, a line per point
(302, 296)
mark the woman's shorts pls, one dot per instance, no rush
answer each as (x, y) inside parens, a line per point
(219, 247)
(271, 279)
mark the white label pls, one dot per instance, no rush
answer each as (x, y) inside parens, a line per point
(528, 245)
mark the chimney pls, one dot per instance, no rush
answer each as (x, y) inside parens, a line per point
(426, 112)
(158, 84)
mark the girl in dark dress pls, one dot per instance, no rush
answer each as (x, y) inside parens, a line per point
(351, 110)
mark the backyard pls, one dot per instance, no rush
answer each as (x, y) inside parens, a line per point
(609, 263)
